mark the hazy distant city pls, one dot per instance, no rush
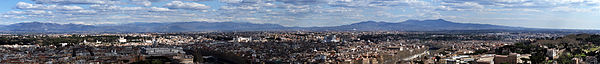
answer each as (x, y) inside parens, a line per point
(299, 32)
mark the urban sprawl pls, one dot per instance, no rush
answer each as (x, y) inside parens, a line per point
(302, 47)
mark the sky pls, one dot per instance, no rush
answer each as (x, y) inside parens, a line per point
(558, 14)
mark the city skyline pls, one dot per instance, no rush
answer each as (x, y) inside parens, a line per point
(555, 14)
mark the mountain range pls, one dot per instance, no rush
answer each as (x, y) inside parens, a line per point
(417, 25)
(409, 25)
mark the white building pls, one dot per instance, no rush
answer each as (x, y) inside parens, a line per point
(553, 53)
(331, 38)
(242, 39)
(121, 39)
(98, 42)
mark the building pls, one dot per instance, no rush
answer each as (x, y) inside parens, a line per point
(331, 38)
(162, 51)
(122, 40)
(485, 60)
(553, 53)
(512, 58)
(523, 56)
(184, 59)
(242, 39)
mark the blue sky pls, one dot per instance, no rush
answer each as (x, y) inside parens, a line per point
(563, 14)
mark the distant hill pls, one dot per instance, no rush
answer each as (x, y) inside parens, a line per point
(143, 27)
(3, 28)
(409, 25)
(192, 26)
(425, 25)
(48, 27)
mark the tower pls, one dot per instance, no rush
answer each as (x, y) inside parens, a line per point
(154, 43)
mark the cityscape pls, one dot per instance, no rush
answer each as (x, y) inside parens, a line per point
(341, 47)
(300, 32)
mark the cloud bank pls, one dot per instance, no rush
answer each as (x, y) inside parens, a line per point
(304, 13)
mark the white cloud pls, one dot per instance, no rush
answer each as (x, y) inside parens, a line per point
(77, 1)
(119, 8)
(230, 1)
(186, 5)
(30, 12)
(198, 0)
(400, 2)
(158, 9)
(530, 3)
(570, 9)
(375, 3)
(522, 5)
(285, 12)
(302, 2)
(462, 6)
(28, 6)
(144, 3)
(81, 12)
(511, 1)
(69, 8)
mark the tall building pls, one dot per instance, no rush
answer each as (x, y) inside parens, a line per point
(154, 43)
